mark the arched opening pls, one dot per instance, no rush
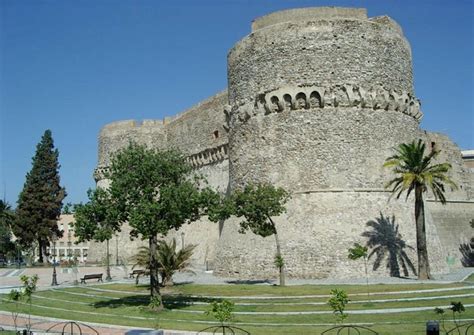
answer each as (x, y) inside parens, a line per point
(315, 100)
(287, 101)
(275, 106)
(300, 101)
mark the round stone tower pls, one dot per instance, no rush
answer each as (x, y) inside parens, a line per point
(318, 98)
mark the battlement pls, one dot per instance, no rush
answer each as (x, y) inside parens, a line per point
(313, 97)
(308, 14)
(132, 124)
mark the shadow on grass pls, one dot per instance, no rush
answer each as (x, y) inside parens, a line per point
(169, 301)
(250, 282)
(182, 283)
(133, 300)
(182, 301)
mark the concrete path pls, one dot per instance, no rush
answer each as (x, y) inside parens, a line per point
(9, 278)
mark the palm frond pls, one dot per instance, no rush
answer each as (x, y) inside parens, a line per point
(413, 168)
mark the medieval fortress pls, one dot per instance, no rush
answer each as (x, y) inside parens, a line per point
(317, 99)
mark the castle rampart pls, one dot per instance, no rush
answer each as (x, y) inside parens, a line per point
(317, 99)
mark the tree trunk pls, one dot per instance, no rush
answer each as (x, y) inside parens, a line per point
(278, 253)
(423, 262)
(155, 295)
(367, 277)
(40, 251)
(282, 268)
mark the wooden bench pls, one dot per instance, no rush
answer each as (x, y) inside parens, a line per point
(137, 273)
(97, 276)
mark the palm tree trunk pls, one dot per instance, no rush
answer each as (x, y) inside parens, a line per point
(423, 262)
(154, 282)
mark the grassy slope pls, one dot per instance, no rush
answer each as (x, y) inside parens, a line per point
(127, 306)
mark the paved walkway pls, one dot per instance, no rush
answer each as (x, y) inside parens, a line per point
(9, 278)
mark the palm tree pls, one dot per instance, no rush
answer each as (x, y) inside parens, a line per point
(6, 213)
(416, 172)
(169, 260)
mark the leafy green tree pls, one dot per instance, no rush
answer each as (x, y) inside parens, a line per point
(24, 295)
(222, 311)
(457, 307)
(154, 192)
(7, 218)
(441, 314)
(68, 208)
(96, 220)
(416, 172)
(40, 202)
(258, 204)
(169, 259)
(338, 301)
(357, 252)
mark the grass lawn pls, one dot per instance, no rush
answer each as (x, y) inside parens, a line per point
(126, 304)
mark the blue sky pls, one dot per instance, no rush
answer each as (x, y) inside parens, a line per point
(73, 66)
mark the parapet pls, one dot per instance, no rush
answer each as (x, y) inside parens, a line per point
(131, 124)
(308, 14)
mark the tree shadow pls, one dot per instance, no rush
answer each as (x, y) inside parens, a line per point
(182, 301)
(467, 252)
(249, 281)
(169, 301)
(133, 300)
(386, 242)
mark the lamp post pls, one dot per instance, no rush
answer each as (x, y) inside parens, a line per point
(107, 260)
(69, 250)
(116, 251)
(55, 280)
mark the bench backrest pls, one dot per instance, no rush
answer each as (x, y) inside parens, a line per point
(93, 276)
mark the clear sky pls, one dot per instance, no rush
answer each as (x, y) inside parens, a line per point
(73, 66)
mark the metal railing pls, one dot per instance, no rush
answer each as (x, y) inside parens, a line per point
(348, 330)
(72, 328)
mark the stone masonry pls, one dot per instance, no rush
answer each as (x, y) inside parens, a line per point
(317, 99)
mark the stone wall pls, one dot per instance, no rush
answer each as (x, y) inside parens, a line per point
(316, 232)
(199, 128)
(198, 132)
(450, 152)
(453, 225)
(117, 135)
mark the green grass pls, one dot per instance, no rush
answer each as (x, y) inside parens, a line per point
(126, 304)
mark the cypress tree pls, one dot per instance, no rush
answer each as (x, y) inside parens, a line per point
(40, 202)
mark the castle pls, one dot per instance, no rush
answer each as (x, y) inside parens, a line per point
(317, 99)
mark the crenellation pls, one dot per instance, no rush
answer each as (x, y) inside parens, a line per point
(307, 97)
